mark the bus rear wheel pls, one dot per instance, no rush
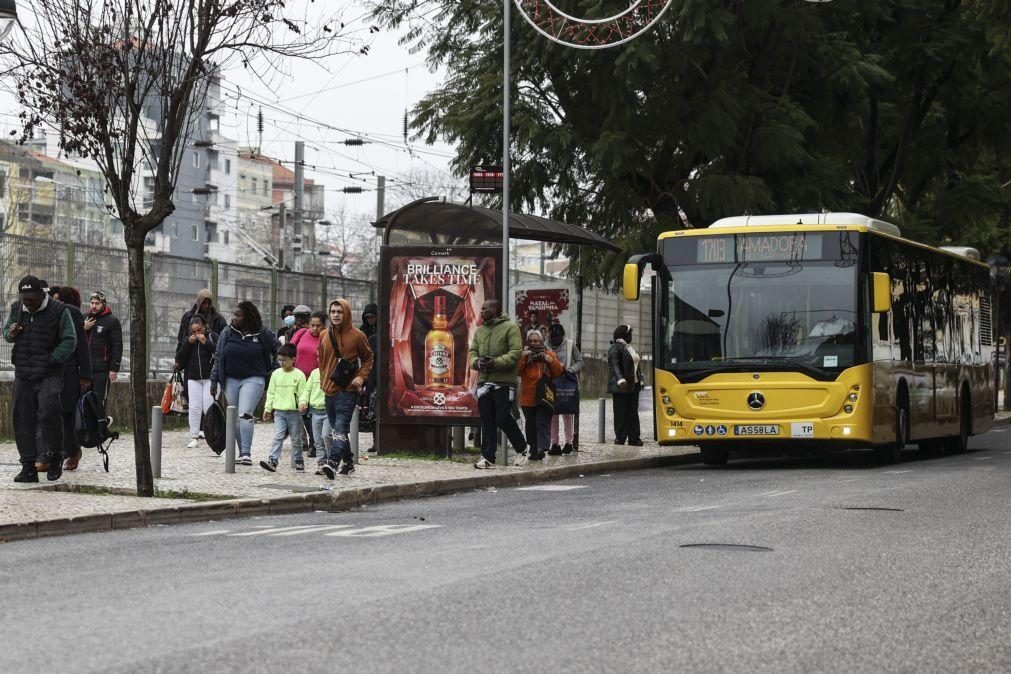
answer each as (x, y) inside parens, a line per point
(959, 444)
(715, 456)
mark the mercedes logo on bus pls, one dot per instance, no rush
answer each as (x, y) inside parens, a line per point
(756, 400)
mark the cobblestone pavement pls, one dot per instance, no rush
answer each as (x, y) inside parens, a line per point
(199, 472)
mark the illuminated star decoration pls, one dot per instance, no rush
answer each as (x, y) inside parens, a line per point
(572, 31)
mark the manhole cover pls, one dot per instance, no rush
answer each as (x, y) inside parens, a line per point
(731, 547)
(891, 510)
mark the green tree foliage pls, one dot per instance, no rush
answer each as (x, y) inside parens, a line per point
(893, 108)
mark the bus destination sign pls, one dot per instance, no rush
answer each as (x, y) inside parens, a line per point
(759, 248)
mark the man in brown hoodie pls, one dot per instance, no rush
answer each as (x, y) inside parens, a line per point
(342, 341)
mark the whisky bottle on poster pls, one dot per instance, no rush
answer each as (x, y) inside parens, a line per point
(439, 349)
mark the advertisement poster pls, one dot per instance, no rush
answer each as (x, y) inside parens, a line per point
(537, 307)
(434, 309)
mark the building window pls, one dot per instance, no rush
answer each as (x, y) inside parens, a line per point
(226, 237)
(196, 160)
(228, 166)
(196, 235)
(266, 187)
(254, 185)
(242, 183)
(175, 230)
(228, 201)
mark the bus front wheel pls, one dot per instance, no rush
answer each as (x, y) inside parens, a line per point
(715, 456)
(892, 452)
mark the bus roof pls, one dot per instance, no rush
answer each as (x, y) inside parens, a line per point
(812, 222)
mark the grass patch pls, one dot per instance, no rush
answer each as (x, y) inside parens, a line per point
(465, 455)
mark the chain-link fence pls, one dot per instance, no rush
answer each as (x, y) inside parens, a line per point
(172, 286)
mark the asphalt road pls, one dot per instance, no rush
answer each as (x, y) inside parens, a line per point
(868, 569)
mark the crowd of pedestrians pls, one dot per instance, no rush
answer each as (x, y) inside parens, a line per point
(310, 375)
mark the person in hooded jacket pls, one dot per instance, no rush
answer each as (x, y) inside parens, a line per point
(76, 377)
(196, 355)
(624, 381)
(203, 306)
(245, 357)
(342, 340)
(572, 361)
(105, 341)
(370, 328)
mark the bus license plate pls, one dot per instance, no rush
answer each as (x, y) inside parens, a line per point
(759, 429)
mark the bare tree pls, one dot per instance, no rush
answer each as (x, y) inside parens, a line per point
(125, 83)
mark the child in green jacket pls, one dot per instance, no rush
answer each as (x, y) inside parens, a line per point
(287, 400)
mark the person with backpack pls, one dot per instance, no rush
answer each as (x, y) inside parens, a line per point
(345, 361)
(45, 340)
(243, 361)
(536, 362)
(195, 356)
(571, 360)
(76, 377)
(105, 342)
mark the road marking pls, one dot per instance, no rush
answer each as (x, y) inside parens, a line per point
(982, 458)
(779, 493)
(211, 533)
(275, 530)
(897, 472)
(697, 509)
(383, 530)
(314, 530)
(552, 487)
(590, 525)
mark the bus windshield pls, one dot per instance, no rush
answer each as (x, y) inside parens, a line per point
(758, 316)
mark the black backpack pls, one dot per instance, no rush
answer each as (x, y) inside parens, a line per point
(91, 426)
(213, 426)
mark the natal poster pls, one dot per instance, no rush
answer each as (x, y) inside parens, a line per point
(536, 307)
(435, 299)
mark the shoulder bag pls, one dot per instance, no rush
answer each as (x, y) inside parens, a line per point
(345, 370)
(546, 391)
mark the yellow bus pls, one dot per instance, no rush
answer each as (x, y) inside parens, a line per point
(817, 332)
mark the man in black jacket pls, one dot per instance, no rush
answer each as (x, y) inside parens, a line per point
(44, 339)
(105, 342)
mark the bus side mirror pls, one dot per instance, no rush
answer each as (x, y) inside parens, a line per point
(632, 274)
(882, 292)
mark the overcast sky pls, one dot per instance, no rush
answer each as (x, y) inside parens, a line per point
(365, 95)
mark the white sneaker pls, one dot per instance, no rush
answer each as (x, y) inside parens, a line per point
(201, 436)
(193, 444)
(522, 457)
(483, 463)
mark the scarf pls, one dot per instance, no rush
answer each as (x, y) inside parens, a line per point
(635, 358)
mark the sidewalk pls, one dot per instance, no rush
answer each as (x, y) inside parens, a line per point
(194, 484)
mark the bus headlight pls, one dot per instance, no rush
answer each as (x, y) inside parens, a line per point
(666, 400)
(853, 397)
(848, 409)
(670, 411)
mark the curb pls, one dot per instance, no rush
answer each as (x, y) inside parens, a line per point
(330, 501)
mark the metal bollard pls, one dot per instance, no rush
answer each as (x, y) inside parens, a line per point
(231, 421)
(353, 435)
(156, 428)
(601, 419)
(504, 444)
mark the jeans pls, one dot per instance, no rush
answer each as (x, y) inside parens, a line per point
(198, 393)
(100, 384)
(538, 427)
(321, 429)
(287, 424)
(495, 408)
(37, 402)
(339, 409)
(570, 427)
(245, 394)
(626, 416)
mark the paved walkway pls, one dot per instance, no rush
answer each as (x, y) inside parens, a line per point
(195, 475)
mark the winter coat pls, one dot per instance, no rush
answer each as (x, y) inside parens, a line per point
(351, 345)
(500, 339)
(47, 341)
(196, 359)
(215, 322)
(530, 373)
(620, 366)
(79, 366)
(562, 352)
(105, 341)
(232, 345)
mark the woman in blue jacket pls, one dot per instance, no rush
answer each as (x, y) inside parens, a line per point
(245, 356)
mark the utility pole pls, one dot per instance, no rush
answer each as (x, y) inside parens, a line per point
(299, 195)
(380, 211)
(282, 226)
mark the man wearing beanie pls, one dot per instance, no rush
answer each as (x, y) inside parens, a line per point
(44, 338)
